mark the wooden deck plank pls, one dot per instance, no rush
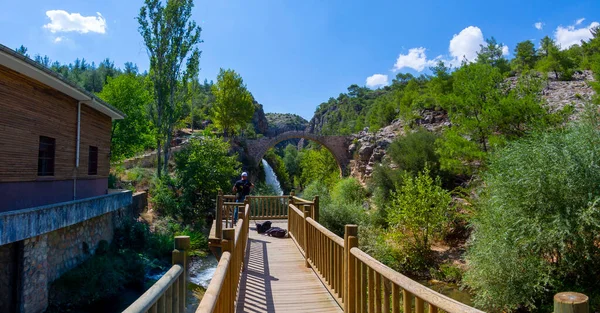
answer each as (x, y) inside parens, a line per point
(277, 280)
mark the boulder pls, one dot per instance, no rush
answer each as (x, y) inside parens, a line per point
(365, 152)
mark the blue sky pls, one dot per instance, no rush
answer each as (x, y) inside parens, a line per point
(292, 54)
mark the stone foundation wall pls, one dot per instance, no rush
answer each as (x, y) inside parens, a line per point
(29, 263)
(34, 277)
(72, 245)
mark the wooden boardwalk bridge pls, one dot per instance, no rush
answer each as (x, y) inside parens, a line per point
(313, 270)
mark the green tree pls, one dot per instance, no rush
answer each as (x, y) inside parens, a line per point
(318, 165)
(544, 190)
(525, 56)
(415, 151)
(292, 161)
(133, 134)
(419, 210)
(233, 105)
(170, 36)
(553, 60)
(492, 54)
(201, 168)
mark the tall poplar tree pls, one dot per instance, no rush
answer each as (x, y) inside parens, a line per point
(170, 36)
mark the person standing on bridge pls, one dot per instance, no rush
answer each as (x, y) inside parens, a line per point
(241, 190)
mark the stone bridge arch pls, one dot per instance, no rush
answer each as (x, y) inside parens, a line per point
(337, 145)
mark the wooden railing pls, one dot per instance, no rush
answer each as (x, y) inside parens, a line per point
(169, 292)
(221, 294)
(357, 281)
(268, 207)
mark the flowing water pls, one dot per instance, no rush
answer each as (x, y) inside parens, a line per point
(271, 178)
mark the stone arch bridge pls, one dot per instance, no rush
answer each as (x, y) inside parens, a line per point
(337, 145)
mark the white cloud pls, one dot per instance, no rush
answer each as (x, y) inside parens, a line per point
(415, 59)
(62, 21)
(465, 45)
(59, 39)
(568, 36)
(579, 21)
(539, 25)
(377, 80)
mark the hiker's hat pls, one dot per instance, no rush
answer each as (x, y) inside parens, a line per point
(244, 174)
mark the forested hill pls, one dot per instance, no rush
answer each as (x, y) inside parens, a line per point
(282, 122)
(408, 95)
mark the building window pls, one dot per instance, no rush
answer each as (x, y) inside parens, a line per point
(46, 156)
(93, 161)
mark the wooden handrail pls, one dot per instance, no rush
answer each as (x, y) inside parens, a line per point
(412, 287)
(331, 235)
(168, 293)
(224, 286)
(152, 295)
(301, 200)
(213, 292)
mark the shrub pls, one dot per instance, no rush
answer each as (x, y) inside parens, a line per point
(317, 188)
(419, 211)
(348, 190)
(201, 169)
(335, 216)
(383, 182)
(415, 151)
(539, 215)
(100, 277)
(262, 189)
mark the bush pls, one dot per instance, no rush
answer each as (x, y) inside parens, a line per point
(383, 182)
(262, 189)
(335, 216)
(419, 211)
(539, 215)
(100, 277)
(317, 188)
(201, 169)
(415, 151)
(348, 190)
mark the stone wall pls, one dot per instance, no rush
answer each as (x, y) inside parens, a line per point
(28, 265)
(74, 244)
(34, 277)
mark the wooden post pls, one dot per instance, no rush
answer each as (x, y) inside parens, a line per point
(246, 202)
(231, 285)
(226, 297)
(351, 299)
(290, 202)
(306, 243)
(349, 231)
(315, 214)
(219, 214)
(179, 256)
(571, 302)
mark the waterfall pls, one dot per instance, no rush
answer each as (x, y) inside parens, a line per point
(271, 178)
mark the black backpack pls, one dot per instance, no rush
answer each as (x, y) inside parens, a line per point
(263, 227)
(277, 232)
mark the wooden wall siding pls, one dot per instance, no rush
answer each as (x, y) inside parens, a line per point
(28, 110)
(95, 131)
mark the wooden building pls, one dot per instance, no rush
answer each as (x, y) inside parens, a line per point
(54, 136)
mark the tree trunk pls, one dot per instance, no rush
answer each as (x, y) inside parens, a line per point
(166, 152)
(158, 158)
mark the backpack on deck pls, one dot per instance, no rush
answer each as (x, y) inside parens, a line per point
(263, 227)
(277, 232)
